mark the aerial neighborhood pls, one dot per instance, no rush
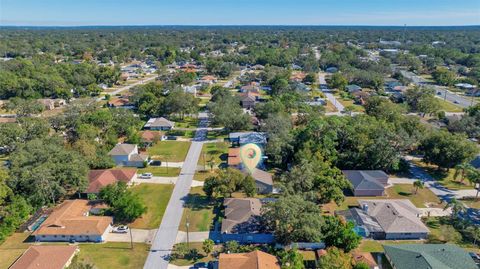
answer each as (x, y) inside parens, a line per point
(240, 147)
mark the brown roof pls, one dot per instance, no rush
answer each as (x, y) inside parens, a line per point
(149, 136)
(7, 120)
(71, 218)
(209, 77)
(45, 257)
(298, 76)
(101, 178)
(234, 156)
(253, 260)
(239, 210)
(119, 102)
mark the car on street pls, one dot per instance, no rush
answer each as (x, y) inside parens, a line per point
(146, 175)
(120, 229)
(156, 163)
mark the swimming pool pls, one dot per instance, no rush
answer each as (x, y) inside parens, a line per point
(38, 222)
(360, 231)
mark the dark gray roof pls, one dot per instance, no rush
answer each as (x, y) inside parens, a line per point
(476, 162)
(365, 179)
(428, 256)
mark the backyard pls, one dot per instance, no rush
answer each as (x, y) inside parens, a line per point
(186, 122)
(155, 197)
(172, 151)
(200, 211)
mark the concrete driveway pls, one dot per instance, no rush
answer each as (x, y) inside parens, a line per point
(138, 236)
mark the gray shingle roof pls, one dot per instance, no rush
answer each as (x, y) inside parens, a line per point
(159, 122)
(395, 215)
(238, 211)
(476, 162)
(122, 149)
(366, 179)
(428, 256)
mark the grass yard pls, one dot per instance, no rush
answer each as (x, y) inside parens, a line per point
(442, 231)
(12, 248)
(115, 255)
(202, 257)
(203, 175)
(159, 171)
(155, 197)
(216, 135)
(213, 154)
(443, 177)
(187, 122)
(329, 107)
(376, 245)
(449, 107)
(173, 151)
(420, 199)
(474, 203)
(200, 211)
(351, 103)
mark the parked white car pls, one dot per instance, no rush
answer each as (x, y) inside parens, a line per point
(120, 229)
(146, 175)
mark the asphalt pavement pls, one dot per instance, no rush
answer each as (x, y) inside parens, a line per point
(166, 236)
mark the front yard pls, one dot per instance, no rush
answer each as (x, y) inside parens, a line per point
(160, 171)
(189, 260)
(103, 256)
(420, 199)
(200, 211)
(445, 178)
(173, 151)
(115, 255)
(155, 197)
(213, 154)
(449, 107)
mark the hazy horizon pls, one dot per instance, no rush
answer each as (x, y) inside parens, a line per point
(239, 13)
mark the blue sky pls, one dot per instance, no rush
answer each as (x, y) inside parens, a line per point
(239, 12)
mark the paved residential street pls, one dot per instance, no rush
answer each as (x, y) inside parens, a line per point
(440, 91)
(165, 238)
(119, 90)
(334, 101)
(443, 193)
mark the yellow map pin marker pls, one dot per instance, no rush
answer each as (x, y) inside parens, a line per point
(250, 155)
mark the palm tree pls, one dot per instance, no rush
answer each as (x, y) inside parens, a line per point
(461, 170)
(473, 176)
(418, 185)
(456, 207)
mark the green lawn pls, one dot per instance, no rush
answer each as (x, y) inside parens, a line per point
(115, 255)
(449, 107)
(103, 256)
(216, 135)
(443, 177)
(155, 197)
(442, 231)
(420, 199)
(376, 245)
(12, 248)
(160, 171)
(474, 203)
(213, 154)
(202, 257)
(203, 175)
(173, 151)
(187, 122)
(200, 211)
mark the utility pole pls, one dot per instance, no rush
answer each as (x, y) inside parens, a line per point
(131, 238)
(188, 239)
